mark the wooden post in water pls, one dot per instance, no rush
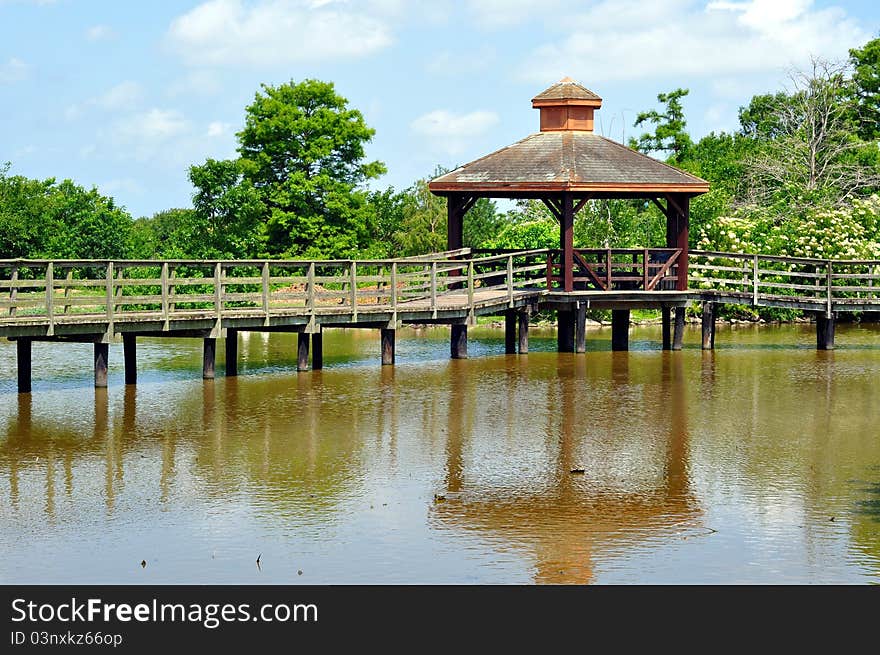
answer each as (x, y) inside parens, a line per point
(458, 341)
(678, 333)
(23, 353)
(231, 353)
(209, 355)
(387, 337)
(666, 326)
(524, 332)
(129, 353)
(580, 328)
(565, 331)
(619, 329)
(317, 350)
(708, 326)
(102, 351)
(824, 331)
(302, 351)
(510, 332)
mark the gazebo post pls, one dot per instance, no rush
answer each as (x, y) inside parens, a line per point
(677, 233)
(454, 221)
(566, 241)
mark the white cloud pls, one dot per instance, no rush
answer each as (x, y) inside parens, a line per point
(100, 33)
(274, 33)
(14, 70)
(124, 96)
(627, 40)
(216, 128)
(450, 132)
(145, 134)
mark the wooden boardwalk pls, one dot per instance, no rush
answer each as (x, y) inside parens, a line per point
(99, 301)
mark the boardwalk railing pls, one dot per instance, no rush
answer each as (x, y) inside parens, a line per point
(73, 290)
(791, 282)
(52, 292)
(617, 269)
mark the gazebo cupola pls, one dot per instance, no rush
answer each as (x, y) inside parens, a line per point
(565, 165)
(567, 106)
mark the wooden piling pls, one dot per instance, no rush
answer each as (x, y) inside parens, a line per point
(666, 326)
(678, 332)
(129, 355)
(231, 353)
(565, 331)
(387, 338)
(708, 326)
(824, 331)
(510, 332)
(302, 351)
(524, 333)
(23, 354)
(458, 341)
(580, 329)
(619, 329)
(209, 355)
(102, 352)
(317, 351)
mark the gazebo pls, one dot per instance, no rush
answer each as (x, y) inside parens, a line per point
(566, 165)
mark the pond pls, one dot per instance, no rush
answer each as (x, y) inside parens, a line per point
(756, 463)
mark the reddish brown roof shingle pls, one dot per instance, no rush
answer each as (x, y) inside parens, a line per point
(567, 89)
(568, 161)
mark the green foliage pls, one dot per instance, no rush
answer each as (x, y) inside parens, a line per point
(824, 232)
(866, 88)
(59, 220)
(423, 225)
(669, 133)
(619, 224)
(228, 213)
(303, 149)
(527, 234)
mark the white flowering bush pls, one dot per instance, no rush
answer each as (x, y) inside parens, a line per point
(848, 232)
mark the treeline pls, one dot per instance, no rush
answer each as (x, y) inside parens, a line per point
(800, 176)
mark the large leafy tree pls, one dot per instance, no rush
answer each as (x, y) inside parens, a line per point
(45, 218)
(302, 149)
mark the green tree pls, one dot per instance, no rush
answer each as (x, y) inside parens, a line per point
(228, 212)
(669, 135)
(25, 225)
(302, 149)
(865, 62)
(423, 225)
(814, 154)
(59, 220)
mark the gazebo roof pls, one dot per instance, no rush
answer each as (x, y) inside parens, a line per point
(567, 156)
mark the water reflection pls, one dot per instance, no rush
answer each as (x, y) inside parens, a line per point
(750, 464)
(567, 521)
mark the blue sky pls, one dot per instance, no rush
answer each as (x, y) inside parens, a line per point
(126, 95)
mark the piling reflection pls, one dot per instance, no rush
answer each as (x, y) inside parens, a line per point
(391, 473)
(575, 515)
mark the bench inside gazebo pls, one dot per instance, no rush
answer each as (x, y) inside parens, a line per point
(565, 165)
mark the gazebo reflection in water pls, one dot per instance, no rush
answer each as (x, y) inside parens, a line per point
(596, 497)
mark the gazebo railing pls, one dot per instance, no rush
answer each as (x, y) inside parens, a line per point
(617, 269)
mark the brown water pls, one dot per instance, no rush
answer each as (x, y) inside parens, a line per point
(759, 462)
